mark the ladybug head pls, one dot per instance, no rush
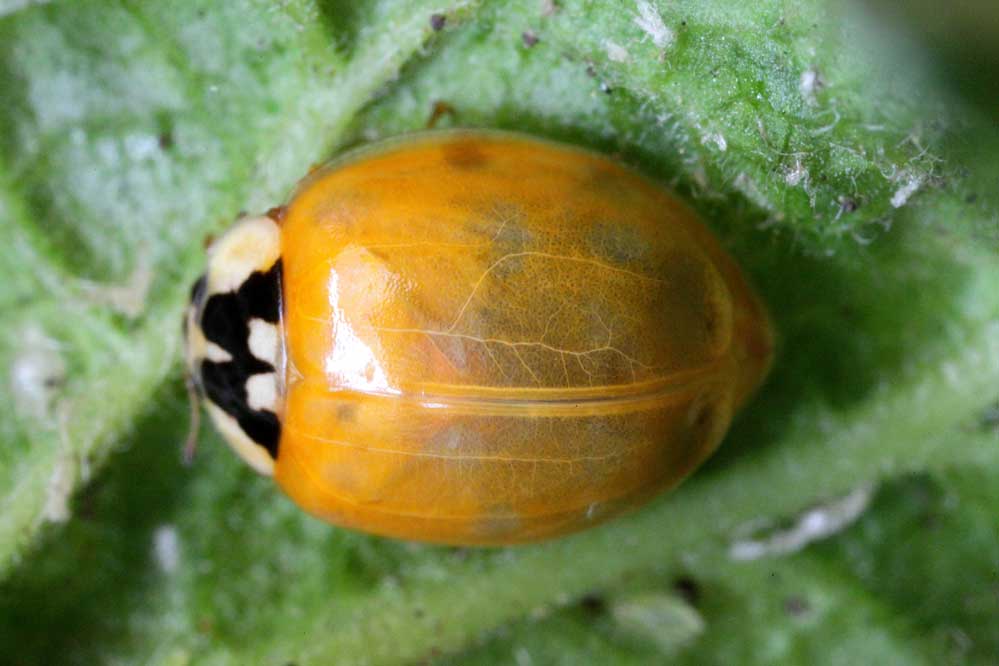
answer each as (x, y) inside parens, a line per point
(233, 343)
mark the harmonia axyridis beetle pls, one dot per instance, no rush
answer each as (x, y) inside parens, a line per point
(474, 338)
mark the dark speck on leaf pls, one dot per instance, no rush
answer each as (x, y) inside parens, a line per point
(848, 204)
(971, 198)
(930, 521)
(795, 606)
(990, 417)
(593, 603)
(687, 589)
(530, 39)
(437, 22)
(166, 141)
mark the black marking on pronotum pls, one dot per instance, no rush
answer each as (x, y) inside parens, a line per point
(225, 321)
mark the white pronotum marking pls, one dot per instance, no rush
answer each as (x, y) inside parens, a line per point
(261, 391)
(252, 453)
(215, 353)
(252, 245)
(263, 341)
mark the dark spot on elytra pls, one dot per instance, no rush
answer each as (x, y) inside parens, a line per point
(464, 154)
(508, 266)
(225, 321)
(620, 245)
(705, 416)
(346, 413)
(711, 321)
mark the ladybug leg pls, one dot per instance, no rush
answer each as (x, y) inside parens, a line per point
(441, 109)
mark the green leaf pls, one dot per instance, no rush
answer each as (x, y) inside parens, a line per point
(817, 141)
(876, 594)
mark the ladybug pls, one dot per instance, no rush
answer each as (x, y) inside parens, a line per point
(474, 338)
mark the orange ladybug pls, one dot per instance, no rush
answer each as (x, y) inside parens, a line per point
(473, 337)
